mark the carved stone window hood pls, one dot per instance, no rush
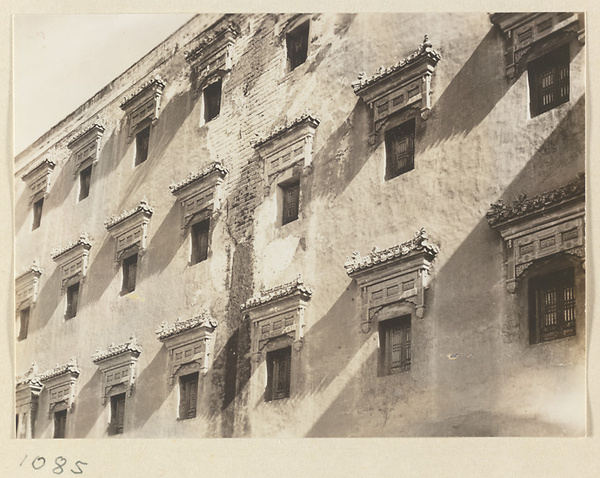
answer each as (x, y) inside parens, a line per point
(199, 192)
(73, 259)
(143, 106)
(288, 147)
(27, 392)
(190, 344)
(130, 228)
(407, 84)
(538, 227)
(117, 365)
(277, 315)
(60, 383)
(527, 34)
(86, 146)
(27, 286)
(38, 179)
(397, 274)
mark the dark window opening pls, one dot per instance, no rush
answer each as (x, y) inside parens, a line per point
(17, 425)
(37, 213)
(291, 199)
(117, 414)
(297, 46)
(188, 396)
(549, 81)
(394, 340)
(23, 324)
(60, 424)
(552, 306)
(212, 101)
(129, 273)
(85, 178)
(400, 149)
(200, 241)
(142, 141)
(278, 374)
(72, 300)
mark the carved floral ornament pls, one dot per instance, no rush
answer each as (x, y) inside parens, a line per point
(86, 146)
(199, 192)
(143, 105)
(38, 179)
(117, 365)
(190, 344)
(130, 228)
(391, 276)
(539, 227)
(60, 383)
(277, 315)
(27, 286)
(73, 259)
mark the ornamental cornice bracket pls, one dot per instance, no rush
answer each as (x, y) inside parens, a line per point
(61, 383)
(85, 146)
(27, 286)
(143, 105)
(38, 179)
(130, 228)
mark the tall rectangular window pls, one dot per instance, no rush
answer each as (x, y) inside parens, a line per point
(200, 241)
(394, 345)
(297, 46)
(72, 300)
(552, 306)
(142, 142)
(279, 364)
(188, 396)
(23, 323)
(291, 200)
(549, 81)
(117, 414)
(400, 149)
(38, 206)
(129, 274)
(85, 178)
(212, 100)
(60, 424)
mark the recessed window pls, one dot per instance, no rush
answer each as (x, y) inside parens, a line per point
(142, 141)
(212, 101)
(552, 306)
(188, 395)
(278, 374)
(394, 345)
(85, 178)
(129, 274)
(72, 301)
(400, 149)
(297, 46)
(60, 424)
(200, 241)
(290, 203)
(23, 323)
(117, 414)
(549, 81)
(38, 206)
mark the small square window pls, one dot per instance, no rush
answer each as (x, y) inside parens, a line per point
(291, 200)
(23, 323)
(117, 414)
(549, 81)
(212, 101)
(85, 178)
(72, 300)
(552, 306)
(278, 374)
(200, 241)
(60, 424)
(394, 345)
(129, 274)
(297, 46)
(188, 396)
(38, 206)
(400, 149)
(142, 141)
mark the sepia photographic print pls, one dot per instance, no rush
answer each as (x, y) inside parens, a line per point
(312, 225)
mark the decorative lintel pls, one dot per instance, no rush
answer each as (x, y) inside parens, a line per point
(86, 146)
(27, 286)
(27, 391)
(38, 178)
(130, 228)
(60, 382)
(73, 259)
(144, 104)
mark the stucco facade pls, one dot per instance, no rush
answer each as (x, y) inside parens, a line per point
(473, 368)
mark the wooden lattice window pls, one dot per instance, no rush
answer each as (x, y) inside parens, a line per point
(188, 395)
(212, 101)
(199, 233)
(85, 178)
(142, 143)
(297, 45)
(60, 424)
(549, 81)
(72, 300)
(400, 149)
(129, 274)
(278, 374)
(38, 206)
(394, 339)
(552, 306)
(291, 199)
(117, 414)
(23, 323)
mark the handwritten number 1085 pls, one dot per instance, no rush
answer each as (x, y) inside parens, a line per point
(60, 462)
